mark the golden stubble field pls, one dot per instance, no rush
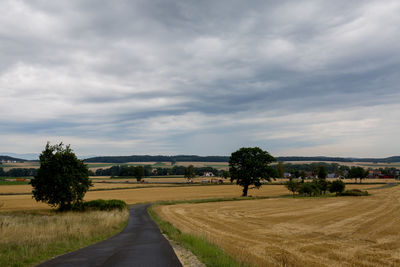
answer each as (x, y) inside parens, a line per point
(344, 231)
(10, 189)
(150, 194)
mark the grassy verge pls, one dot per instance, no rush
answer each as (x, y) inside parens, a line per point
(206, 252)
(28, 238)
(13, 182)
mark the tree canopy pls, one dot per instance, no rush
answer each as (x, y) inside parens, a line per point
(189, 172)
(248, 166)
(357, 172)
(62, 179)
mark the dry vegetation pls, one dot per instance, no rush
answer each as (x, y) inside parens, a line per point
(28, 238)
(26, 189)
(151, 194)
(26, 164)
(345, 231)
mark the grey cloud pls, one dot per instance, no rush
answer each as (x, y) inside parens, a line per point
(116, 64)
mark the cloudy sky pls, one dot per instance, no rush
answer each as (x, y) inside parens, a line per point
(201, 77)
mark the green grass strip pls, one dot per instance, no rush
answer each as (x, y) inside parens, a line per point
(13, 182)
(209, 254)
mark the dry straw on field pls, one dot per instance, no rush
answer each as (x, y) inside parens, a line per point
(343, 231)
(151, 194)
(28, 238)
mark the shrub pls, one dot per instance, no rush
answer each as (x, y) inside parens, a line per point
(292, 186)
(337, 187)
(101, 204)
(310, 189)
(355, 193)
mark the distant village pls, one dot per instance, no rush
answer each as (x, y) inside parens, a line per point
(8, 161)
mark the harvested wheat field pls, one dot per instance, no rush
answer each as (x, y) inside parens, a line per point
(151, 194)
(26, 188)
(342, 231)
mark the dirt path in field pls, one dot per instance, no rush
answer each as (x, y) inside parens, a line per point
(139, 244)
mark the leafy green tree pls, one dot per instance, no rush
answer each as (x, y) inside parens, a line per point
(322, 174)
(280, 167)
(225, 174)
(310, 189)
(314, 169)
(357, 172)
(337, 187)
(292, 186)
(189, 172)
(323, 185)
(138, 172)
(306, 189)
(148, 170)
(303, 176)
(248, 166)
(62, 179)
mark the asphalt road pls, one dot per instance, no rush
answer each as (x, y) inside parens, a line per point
(139, 244)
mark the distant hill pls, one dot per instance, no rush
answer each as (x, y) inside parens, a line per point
(194, 158)
(295, 158)
(147, 158)
(25, 156)
(338, 159)
(8, 158)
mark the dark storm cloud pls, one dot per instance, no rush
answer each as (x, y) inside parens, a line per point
(164, 72)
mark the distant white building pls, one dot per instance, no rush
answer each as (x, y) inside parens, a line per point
(208, 174)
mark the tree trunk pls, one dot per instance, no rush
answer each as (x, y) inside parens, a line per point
(245, 189)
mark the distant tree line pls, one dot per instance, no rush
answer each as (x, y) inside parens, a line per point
(314, 168)
(195, 158)
(338, 159)
(318, 169)
(147, 158)
(321, 186)
(18, 172)
(122, 170)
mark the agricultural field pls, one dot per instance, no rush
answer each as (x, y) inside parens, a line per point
(335, 231)
(95, 166)
(26, 188)
(26, 164)
(216, 165)
(151, 194)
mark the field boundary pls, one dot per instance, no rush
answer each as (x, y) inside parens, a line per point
(206, 252)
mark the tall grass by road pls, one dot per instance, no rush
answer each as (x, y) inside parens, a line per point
(28, 238)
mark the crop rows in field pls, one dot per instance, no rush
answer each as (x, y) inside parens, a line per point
(342, 231)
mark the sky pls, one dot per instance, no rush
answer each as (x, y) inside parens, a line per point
(164, 77)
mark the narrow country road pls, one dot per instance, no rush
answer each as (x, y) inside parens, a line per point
(139, 244)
